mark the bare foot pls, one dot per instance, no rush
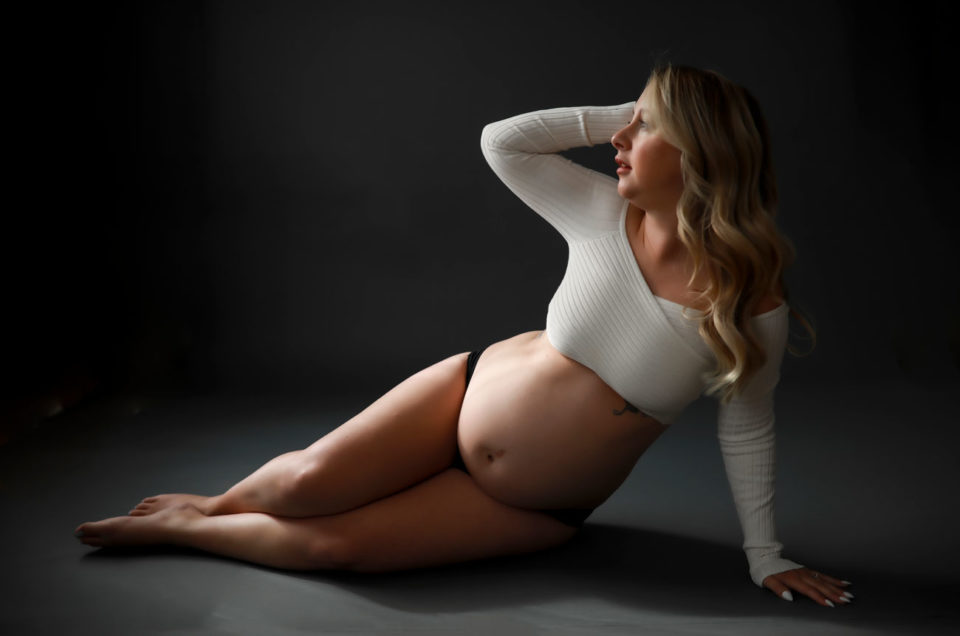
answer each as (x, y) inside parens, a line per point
(152, 505)
(153, 529)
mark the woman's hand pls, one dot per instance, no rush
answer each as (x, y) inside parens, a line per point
(820, 587)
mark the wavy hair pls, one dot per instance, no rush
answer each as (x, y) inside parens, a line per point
(726, 213)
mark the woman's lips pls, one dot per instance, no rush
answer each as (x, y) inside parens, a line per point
(623, 170)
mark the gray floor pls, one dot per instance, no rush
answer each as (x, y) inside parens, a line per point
(865, 490)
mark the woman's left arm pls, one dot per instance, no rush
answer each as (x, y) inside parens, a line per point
(746, 434)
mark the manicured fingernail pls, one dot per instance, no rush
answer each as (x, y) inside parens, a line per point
(787, 596)
(846, 582)
(844, 599)
(828, 602)
(848, 594)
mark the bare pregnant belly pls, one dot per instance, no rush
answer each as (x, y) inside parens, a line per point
(538, 430)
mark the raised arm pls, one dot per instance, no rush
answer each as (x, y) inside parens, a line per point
(579, 202)
(746, 433)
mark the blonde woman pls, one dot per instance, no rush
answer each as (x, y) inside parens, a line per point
(674, 287)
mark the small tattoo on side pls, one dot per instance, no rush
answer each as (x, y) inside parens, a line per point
(627, 407)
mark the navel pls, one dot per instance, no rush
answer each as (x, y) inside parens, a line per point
(494, 455)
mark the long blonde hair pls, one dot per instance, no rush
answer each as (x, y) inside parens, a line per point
(726, 213)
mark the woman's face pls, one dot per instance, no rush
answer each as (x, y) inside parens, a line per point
(654, 180)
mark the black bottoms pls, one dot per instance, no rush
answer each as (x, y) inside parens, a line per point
(570, 516)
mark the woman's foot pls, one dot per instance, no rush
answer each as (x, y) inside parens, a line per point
(153, 505)
(157, 528)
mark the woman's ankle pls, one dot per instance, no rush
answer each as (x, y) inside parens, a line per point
(218, 505)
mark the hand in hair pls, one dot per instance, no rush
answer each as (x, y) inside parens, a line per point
(820, 587)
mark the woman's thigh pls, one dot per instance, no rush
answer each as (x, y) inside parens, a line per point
(405, 436)
(444, 519)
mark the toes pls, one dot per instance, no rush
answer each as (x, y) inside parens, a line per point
(85, 532)
(145, 507)
(100, 533)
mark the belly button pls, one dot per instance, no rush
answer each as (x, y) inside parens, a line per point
(494, 455)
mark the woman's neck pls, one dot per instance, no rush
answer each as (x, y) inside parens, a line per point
(659, 237)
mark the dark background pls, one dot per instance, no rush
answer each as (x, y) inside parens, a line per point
(231, 225)
(289, 197)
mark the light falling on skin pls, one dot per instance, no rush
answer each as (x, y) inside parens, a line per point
(652, 179)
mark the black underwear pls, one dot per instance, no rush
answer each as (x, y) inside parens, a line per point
(571, 516)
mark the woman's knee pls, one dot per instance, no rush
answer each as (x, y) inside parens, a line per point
(299, 475)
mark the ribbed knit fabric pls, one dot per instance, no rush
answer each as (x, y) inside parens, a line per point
(604, 316)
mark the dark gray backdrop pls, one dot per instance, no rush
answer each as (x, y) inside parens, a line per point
(291, 195)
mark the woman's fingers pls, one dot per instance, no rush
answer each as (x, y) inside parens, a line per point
(832, 580)
(829, 590)
(814, 592)
(778, 588)
(830, 587)
(822, 592)
(805, 584)
(823, 589)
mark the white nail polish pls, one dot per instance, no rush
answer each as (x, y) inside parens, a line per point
(829, 602)
(848, 594)
(844, 599)
(787, 596)
(846, 582)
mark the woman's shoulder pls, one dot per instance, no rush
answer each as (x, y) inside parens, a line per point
(768, 303)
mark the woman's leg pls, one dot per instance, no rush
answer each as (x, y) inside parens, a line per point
(444, 519)
(405, 436)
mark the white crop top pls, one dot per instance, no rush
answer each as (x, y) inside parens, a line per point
(604, 316)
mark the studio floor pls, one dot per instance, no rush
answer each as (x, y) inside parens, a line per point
(865, 491)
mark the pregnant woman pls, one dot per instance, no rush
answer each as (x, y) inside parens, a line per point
(673, 288)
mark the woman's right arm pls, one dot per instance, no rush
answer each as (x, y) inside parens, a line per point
(523, 152)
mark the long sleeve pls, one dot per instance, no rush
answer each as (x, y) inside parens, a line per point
(746, 435)
(579, 202)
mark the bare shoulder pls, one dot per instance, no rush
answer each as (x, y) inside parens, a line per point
(769, 302)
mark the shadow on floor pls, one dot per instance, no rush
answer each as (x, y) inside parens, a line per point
(639, 570)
